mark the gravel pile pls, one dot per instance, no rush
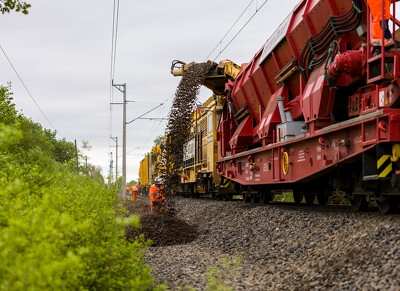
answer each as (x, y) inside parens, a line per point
(283, 247)
(163, 229)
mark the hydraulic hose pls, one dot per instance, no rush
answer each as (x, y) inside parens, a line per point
(319, 42)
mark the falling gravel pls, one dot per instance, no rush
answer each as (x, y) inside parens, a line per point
(179, 120)
(283, 247)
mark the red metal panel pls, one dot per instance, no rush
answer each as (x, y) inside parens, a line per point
(271, 71)
(276, 60)
(284, 53)
(262, 85)
(252, 98)
(297, 31)
(237, 94)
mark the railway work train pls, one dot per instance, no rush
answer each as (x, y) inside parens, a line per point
(313, 111)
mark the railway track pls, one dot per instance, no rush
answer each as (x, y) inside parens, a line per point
(315, 206)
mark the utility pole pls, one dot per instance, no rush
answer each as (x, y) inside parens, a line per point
(115, 138)
(124, 146)
(77, 160)
(122, 88)
(111, 166)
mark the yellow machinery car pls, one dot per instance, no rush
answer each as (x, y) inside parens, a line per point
(149, 169)
(200, 151)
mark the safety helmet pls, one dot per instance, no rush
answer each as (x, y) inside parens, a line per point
(158, 180)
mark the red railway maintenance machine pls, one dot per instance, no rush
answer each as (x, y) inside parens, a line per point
(315, 111)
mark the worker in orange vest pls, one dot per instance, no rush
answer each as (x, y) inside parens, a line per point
(156, 196)
(134, 192)
(375, 7)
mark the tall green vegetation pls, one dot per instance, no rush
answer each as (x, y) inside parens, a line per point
(6, 6)
(58, 229)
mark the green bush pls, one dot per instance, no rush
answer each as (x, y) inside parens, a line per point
(58, 230)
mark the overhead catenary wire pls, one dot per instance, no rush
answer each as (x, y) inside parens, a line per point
(29, 93)
(144, 113)
(240, 30)
(232, 26)
(114, 37)
(229, 30)
(151, 131)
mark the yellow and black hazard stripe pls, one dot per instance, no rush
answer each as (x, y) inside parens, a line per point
(226, 182)
(384, 166)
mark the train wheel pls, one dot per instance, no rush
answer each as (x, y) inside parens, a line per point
(266, 197)
(255, 198)
(297, 196)
(388, 204)
(227, 197)
(246, 197)
(322, 197)
(310, 198)
(358, 203)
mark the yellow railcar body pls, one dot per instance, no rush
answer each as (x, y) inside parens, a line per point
(144, 172)
(200, 152)
(149, 168)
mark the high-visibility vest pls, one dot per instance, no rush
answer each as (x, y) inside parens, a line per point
(156, 193)
(134, 192)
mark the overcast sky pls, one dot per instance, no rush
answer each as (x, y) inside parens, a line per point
(62, 52)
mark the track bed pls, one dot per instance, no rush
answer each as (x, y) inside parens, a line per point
(284, 247)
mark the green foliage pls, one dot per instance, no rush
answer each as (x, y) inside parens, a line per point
(133, 220)
(8, 113)
(63, 150)
(131, 183)
(58, 230)
(85, 145)
(88, 169)
(159, 139)
(6, 6)
(217, 277)
(284, 197)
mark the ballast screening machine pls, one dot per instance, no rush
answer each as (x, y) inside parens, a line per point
(315, 111)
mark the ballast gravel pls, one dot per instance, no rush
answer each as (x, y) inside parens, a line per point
(282, 247)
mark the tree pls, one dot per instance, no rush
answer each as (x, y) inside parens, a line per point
(95, 172)
(85, 145)
(8, 113)
(131, 183)
(6, 6)
(159, 140)
(64, 150)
